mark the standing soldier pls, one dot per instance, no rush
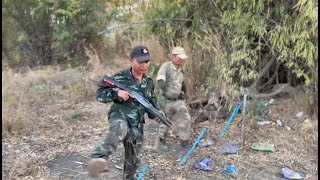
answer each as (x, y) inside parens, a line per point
(171, 98)
(126, 115)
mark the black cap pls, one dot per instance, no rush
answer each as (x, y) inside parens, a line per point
(140, 53)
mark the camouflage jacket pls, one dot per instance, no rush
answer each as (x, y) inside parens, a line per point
(131, 109)
(174, 79)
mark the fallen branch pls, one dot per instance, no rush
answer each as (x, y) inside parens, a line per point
(275, 75)
(201, 100)
(270, 94)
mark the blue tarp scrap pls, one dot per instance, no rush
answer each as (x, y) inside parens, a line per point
(229, 169)
(290, 174)
(203, 164)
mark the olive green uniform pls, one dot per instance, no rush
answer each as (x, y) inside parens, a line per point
(172, 102)
(126, 120)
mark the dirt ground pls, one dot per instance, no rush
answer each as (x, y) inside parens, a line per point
(59, 144)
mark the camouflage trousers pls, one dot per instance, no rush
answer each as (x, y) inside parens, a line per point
(132, 139)
(178, 113)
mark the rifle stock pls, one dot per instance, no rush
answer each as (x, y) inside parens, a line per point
(140, 98)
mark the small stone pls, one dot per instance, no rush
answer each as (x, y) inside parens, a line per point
(279, 123)
(299, 114)
(287, 128)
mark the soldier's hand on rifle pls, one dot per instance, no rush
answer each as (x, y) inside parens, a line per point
(123, 94)
(157, 119)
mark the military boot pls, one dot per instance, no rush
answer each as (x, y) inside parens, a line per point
(97, 166)
(162, 146)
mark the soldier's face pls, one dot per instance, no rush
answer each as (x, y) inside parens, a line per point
(140, 67)
(177, 61)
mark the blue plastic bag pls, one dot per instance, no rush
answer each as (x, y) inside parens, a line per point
(290, 174)
(203, 164)
(229, 169)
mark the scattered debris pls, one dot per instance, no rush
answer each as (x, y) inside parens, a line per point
(203, 164)
(306, 124)
(229, 169)
(287, 128)
(206, 142)
(290, 174)
(279, 123)
(228, 148)
(299, 114)
(263, 147)
(270, 102)
(81, 163)
(307, 121)
(262, 123)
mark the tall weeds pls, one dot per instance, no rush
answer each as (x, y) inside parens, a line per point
(23, 94)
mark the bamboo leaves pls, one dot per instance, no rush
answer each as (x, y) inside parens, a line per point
(245, 32)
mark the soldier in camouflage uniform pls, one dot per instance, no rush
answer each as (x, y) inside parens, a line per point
(126, 116)
(171, 98)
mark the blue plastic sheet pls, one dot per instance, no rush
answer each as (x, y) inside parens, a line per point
(290, 174)
(203, 164)
(229, 169)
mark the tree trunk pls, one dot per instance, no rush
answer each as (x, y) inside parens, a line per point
(277, 73)
(264, 71)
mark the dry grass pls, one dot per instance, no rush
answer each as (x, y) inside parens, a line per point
(23, 93)
(59, 88)
(13, 104)
(47, 111)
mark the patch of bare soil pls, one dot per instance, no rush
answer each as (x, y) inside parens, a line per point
(59, 144)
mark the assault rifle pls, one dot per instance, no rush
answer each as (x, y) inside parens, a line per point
(140, 98)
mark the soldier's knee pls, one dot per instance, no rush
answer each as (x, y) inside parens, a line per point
(119, 128)
(123, 130)
(182, 126)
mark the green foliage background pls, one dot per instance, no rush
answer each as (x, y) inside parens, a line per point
(48, 31)
(233, 40)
